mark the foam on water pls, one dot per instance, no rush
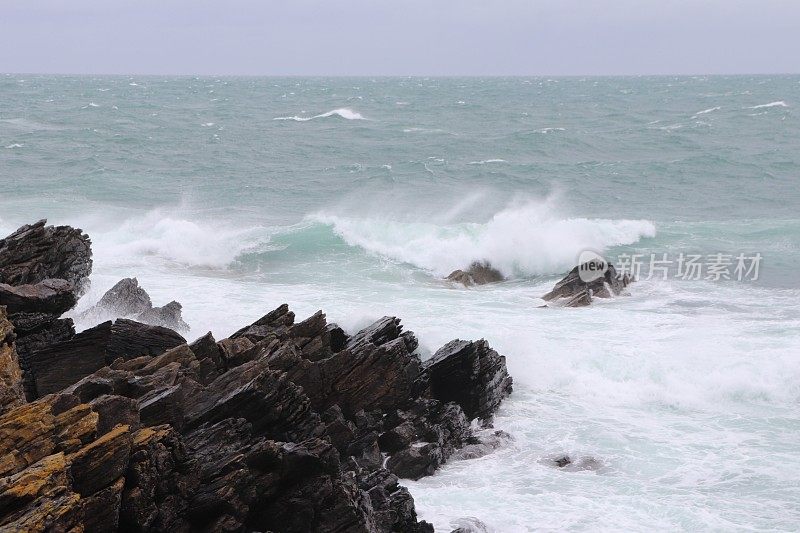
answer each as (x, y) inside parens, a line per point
(344, 112)
(523, 239)
(779, 103)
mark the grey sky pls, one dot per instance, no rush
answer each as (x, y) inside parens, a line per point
(360, 37)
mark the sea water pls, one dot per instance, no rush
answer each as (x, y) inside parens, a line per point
(357, 196)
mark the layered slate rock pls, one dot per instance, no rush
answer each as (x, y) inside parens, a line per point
(470, 374)
(478, 273)
(51, 296)
(43, 272)
(37, 252)
(59, 365)
(572, 291)
(127, 299)
(11, 387)
(283, 427)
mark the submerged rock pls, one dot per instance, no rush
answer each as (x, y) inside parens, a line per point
(572, 291)
(468, 525)
(571, 464)
(478, 273)
(127, 299)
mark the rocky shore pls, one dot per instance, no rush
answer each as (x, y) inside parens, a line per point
(286, 425)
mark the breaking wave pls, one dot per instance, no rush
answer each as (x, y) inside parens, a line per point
(343, 112)
(529, 239)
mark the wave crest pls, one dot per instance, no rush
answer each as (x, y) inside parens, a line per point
(520, 240)
(779, 103)
(343, 112)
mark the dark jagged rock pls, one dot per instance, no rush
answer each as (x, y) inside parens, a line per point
(37, 252)
(52, 296)
(283, 427)
(572, 291)
(59, 365)
(38, 330)
(127, 299)
(478, 273)
(275, 321)
(470, 374)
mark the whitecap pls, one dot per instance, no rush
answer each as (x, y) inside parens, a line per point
(528, 239)
(343, 112)
(207, 124)
(15, 145)
(706, 111)
(779, 103)
(485, 161)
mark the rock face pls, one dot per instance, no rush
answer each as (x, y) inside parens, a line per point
(284, 426)
(51, 296)
(37, 252)
(127, 299)
(43, 272)
(54, 367)
(478, 273)
(572, 291)
(470, 374)
(11, 389)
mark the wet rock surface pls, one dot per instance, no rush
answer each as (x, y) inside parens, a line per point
(478, 273)
(37, 252)
(127, 299)
(572, 291)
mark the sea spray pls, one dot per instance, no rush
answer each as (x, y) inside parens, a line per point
(528, 239)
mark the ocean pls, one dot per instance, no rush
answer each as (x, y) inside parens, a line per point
(358, 195)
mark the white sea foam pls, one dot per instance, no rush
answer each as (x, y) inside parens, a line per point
(343, 112)
(163, 238)
(779, 103)
(15, 145)
(706, 111)
(526, 239)
(485, 161)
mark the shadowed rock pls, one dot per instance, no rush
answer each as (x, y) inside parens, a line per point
(478, 273)
(52, 296)
(37, 252)
(59, 365)
(572, 291)
(470, 374)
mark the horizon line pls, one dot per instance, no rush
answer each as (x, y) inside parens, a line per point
(232, 75)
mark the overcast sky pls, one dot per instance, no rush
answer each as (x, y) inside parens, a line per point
(402, 37)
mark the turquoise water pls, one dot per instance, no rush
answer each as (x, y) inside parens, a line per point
(356, 196)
